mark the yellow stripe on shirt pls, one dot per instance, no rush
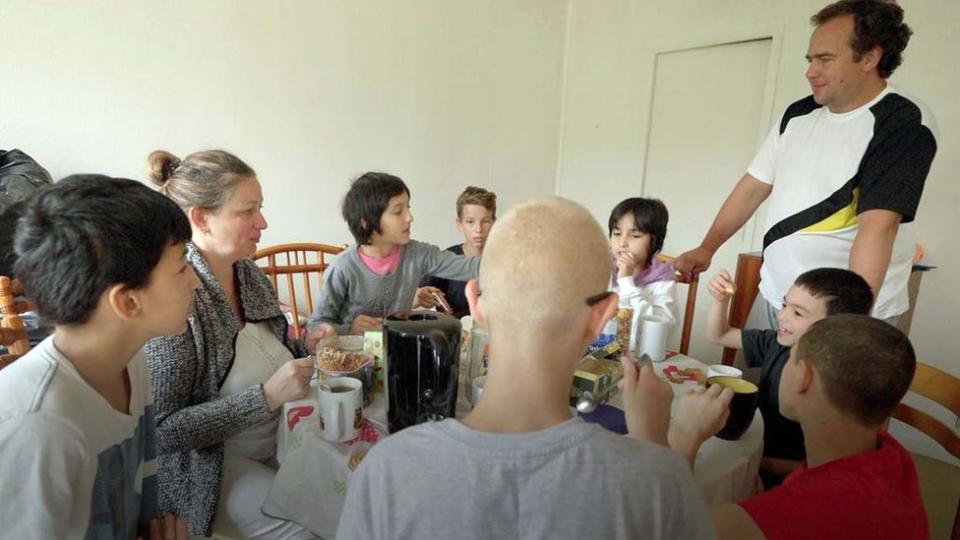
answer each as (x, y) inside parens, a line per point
(844, 218)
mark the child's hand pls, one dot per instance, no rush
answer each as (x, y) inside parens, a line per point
(626, 264)
(322, 331)
(646, 402)
(701, 413)
(426, 297)
(721, 287)
(364, 323)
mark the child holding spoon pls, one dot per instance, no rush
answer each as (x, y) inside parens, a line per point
(381, 272)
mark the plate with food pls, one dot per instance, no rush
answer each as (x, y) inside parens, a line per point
(336, 361)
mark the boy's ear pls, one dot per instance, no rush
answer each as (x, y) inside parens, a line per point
(123, 301)
(472, 292)
(807, 374)
(600, 313)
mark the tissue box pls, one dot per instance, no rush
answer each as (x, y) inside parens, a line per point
(299, 419)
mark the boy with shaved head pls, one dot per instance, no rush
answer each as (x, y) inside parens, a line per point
(520, 465)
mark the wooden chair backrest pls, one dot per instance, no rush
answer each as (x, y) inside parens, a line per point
(301, 265)
(13, 333)
(687, 325)
(943, 388)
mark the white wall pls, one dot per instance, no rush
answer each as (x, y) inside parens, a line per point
(611, 47)
(309, 93)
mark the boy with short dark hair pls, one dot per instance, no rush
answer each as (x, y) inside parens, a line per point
(103, 261)
(843, 380)
(815, 294)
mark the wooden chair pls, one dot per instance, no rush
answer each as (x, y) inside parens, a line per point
(13, 333)
(747, 283)
(692, 285)
(943, 388)
(305, 260)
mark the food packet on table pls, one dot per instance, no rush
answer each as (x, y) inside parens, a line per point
(373, 345)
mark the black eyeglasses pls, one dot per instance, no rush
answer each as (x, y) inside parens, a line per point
(597, 298)
(591, 300)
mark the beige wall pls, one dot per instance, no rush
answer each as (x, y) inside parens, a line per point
(611, 47)
(443, 94)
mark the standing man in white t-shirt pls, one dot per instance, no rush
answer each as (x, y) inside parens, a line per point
(843, 168)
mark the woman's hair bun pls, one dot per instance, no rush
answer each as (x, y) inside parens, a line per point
(161, 166)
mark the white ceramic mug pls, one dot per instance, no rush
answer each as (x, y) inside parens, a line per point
(341, 408)
(653, 338)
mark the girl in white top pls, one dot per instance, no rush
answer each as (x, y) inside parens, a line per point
(637, 228)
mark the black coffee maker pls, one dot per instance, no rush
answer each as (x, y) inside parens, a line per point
(422, 351)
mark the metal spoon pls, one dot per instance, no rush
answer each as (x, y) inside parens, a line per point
(587, 402)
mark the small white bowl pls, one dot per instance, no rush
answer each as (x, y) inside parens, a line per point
(720, 370)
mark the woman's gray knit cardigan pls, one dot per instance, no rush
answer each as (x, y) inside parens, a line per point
(187, 372)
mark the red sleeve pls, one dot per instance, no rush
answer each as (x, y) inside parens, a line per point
(799, 510)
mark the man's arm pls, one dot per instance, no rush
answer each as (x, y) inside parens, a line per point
(873, 246)
(733, 522)
(742, 202)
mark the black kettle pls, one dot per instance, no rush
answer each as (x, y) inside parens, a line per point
(422, 352)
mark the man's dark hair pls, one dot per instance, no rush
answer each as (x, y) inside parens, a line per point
(876, 23)
(843, 290)
(866, 364)
(649, 216)
(367, 200)
(89, 232)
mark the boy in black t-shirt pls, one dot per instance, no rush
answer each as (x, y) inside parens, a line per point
(814, 295)
(476, 212)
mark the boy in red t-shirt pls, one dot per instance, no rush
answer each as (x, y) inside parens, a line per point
(843, 380)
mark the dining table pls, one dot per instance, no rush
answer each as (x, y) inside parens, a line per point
(311, 483)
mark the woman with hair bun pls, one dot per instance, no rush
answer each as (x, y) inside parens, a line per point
(219, 386)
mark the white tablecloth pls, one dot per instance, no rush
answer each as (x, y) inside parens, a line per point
(311, 484)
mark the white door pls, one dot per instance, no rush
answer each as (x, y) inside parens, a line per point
(706, 117)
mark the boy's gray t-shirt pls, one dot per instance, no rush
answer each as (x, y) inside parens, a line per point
(572, 480)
